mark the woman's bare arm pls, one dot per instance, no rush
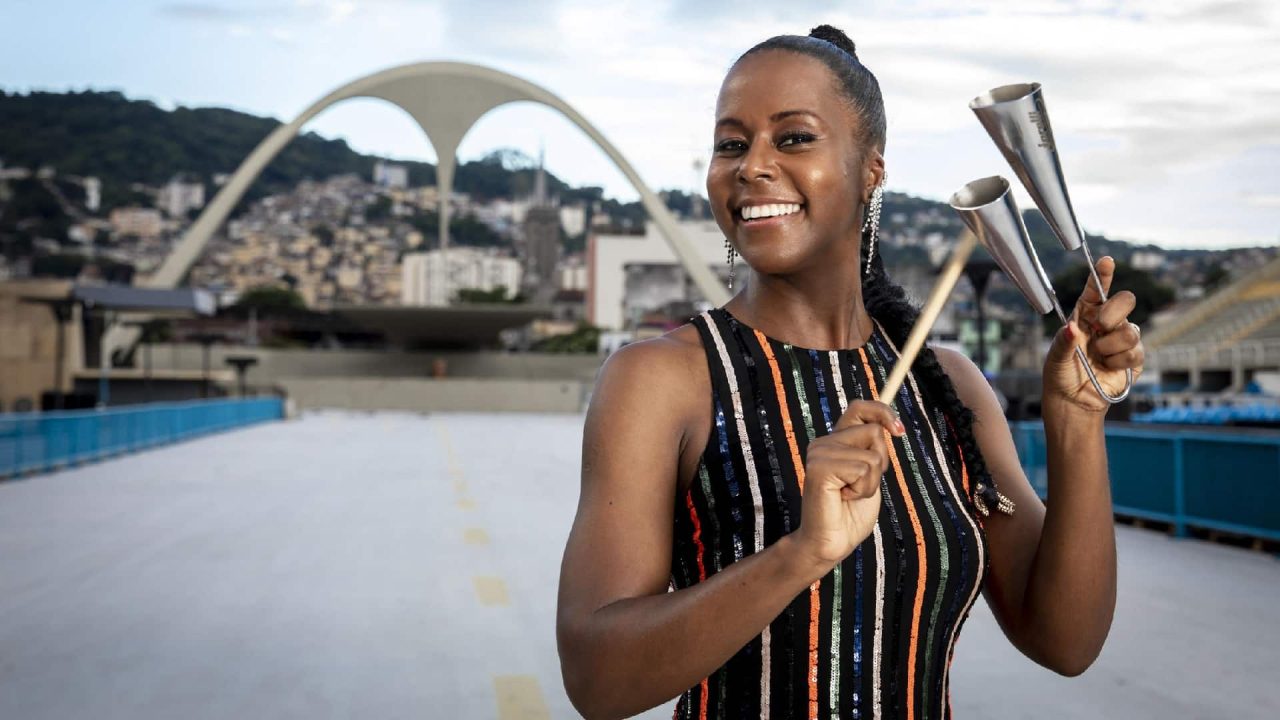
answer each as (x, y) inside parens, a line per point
(1053, 572)
(626, 644)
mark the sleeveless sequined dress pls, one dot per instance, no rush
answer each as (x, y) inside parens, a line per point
(874, 638)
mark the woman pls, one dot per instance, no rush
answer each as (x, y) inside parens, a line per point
(700, 444)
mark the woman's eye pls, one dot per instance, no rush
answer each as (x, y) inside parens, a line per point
(730, 146)
(794, 138)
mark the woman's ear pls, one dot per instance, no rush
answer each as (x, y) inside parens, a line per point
(872, 173)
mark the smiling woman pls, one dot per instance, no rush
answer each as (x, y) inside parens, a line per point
(757, 533)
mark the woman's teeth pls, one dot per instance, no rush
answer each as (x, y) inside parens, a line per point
(751, 212)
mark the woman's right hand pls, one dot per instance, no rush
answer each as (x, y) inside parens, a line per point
(843, 469)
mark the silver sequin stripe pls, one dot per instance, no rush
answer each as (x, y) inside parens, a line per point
(753, 481)
(973, 524)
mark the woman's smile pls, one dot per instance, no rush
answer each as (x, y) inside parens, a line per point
(760, 216)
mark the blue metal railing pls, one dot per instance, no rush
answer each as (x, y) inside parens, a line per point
(39, 442)
(1227, 481)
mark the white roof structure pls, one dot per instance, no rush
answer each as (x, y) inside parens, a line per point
(445, 99)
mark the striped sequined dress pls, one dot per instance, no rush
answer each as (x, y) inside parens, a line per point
(874, 638)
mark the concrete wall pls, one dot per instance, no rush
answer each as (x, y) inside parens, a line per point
(447, 394)
(276, 365)
(609, 256)
(28, 342)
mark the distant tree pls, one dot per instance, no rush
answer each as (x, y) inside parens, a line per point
(477, 295)
(465, 230)
(1151, 295)
(270, 298)
(62, 265)
(324, 234)
(584, 339)
(1215, 277)
(379, 209)
(72, 265)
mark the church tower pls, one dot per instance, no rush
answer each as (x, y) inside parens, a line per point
(541, 241)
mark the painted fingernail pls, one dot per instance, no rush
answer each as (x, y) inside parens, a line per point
(899, 428)
(1071, 335)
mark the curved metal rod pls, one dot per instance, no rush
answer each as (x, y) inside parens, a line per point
(1128, 373)
(1084, 360)
(1128, 385)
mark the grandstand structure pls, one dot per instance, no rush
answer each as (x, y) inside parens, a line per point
(1222, 343)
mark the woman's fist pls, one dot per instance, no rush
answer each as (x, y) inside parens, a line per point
(841, 493)
(1110, 342)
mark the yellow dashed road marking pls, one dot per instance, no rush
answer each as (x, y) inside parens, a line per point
(475, 536)
(491, 591)
(466, 504)
(519, 698)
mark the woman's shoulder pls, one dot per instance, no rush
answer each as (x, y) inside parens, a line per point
(958, 366)
(657, 381)
(683, 338)
(670, 361)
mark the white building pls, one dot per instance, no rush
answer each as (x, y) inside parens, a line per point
(140, 222)
(574, 272)
(632, 273)
(424, 274)
(390, 175)
(1147, 259)
(92, 194)
(179, 196)
(573, 218)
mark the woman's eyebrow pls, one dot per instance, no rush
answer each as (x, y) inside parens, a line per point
(780, 115)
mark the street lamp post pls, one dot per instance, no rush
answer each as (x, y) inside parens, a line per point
(979, 273)
(241, 363)
(206, 341)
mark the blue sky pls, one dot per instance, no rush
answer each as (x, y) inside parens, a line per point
(1167, 112)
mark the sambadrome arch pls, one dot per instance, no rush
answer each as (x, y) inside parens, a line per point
(445, 99)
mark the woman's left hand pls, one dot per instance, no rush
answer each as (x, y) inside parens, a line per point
(1112, 344)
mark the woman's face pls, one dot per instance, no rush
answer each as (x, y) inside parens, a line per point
(785, 137)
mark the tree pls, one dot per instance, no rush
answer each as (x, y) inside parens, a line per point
(1215, 277)
(1151, 295)
(324, 234)
(267, 299)
(584, 339)
(496, 295)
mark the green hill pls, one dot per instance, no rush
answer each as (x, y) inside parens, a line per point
(123, 141)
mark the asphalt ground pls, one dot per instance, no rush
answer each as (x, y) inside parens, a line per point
(394, 565)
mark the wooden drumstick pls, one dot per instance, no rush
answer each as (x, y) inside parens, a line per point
(928, 315)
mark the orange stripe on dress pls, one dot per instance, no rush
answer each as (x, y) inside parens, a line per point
(799, 466)
(920, 553)
(964, 474)
(702, 575)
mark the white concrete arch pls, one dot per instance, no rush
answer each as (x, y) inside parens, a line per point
(445, 99)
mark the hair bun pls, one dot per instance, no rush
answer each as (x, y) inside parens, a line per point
(836, 37)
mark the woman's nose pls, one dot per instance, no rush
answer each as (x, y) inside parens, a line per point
(757, 163)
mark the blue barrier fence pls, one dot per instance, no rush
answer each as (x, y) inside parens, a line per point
(39, 442)
(1227, 481)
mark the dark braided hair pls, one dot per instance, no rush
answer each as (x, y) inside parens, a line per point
(885, 300)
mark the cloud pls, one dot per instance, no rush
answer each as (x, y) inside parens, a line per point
(1262, 200)
(198, 11)
(1142, 93)
(297, 11)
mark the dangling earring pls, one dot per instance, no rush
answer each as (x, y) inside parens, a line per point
(872, 222)
(732, 254)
